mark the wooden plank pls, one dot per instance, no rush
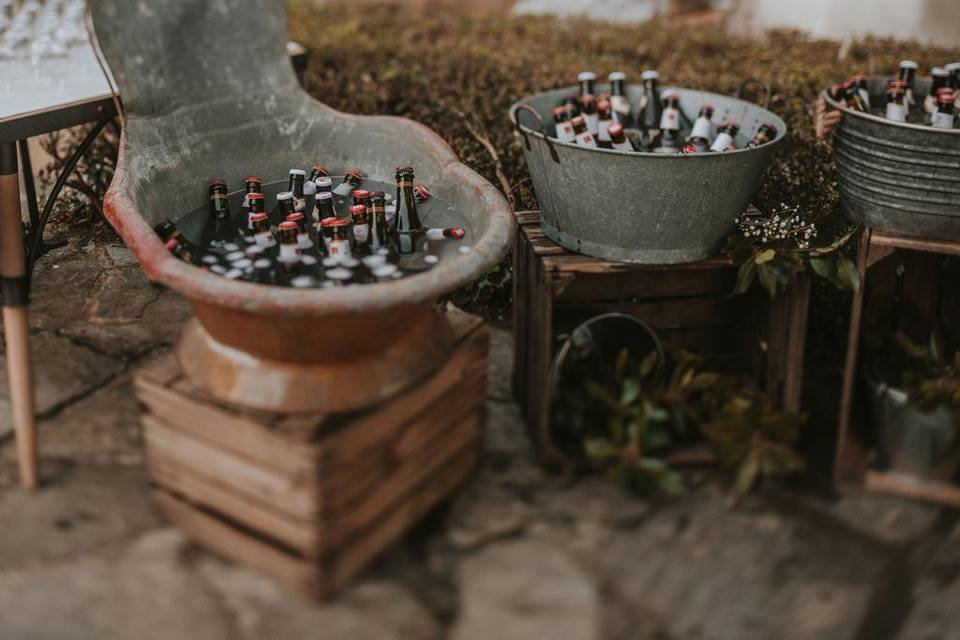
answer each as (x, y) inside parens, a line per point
(905, 486)
(161, 371)
(527, 217)
(885, 239)
(521, 318)
(227, 430)
(233, 544)
(299, 534)
(368, 430)
(610, 281)
(362, 549)
(792, 398)
(663, 313)
(291, 493)
(403, 480)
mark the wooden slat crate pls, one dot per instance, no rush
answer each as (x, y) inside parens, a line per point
(310, 500)
(690, 306)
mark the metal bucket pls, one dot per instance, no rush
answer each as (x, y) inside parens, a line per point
(899, 177)
(643, 207)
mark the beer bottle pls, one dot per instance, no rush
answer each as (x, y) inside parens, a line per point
(588, 110)
(620, 103)
(941, 80)
(316, 171)
(837, 93)
(853, 98)
(587, 81)
(765, 133)
(262, 234)
(180, 250)
(295, 183)
(361, 196)
(908, 72)
(361, 230)
(953, 68)
(618, 138)
(449, 233)
(285, 206)
(304, 242)
(944, 117)
(379, 233)
(407, 227)
(420, 192)
(651, 111)
(896, 108)
(351, 181)
(564, 130)
(726, 139)
(572, 105)
(863, 91)
(258, 204)
(581, 135)
(335, 236)
(289, 248)
(251, 184)
(324, 184)
(702, 132)
(217, 200)
(323, 206)
(605, 117)
(667, 139)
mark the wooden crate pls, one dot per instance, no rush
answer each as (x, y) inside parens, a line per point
(927, 294)
(690, 306)
(310, 500)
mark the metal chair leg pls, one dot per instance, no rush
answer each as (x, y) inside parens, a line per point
(13, 279)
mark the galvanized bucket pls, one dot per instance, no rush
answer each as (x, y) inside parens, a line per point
(643, 207)
(899, 177)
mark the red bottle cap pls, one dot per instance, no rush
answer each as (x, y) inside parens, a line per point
(615, 130)
(295, 216)
(422, 191)
(944, 90)
(361, 194)
(216, 182)
(334, 222)
(358, 209)
(457, 233)
(322, 170)
(354, 172)
(257, 217)
(256, 196)
(858, 77)
(287, 225)
(577, 121)
(253, 179)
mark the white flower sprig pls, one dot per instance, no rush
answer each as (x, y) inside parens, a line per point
(784, 224)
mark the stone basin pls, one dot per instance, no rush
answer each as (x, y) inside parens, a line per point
(208, 91)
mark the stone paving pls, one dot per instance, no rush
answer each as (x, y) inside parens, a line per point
(516, 554)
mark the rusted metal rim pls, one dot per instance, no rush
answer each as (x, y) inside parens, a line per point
(162, 267)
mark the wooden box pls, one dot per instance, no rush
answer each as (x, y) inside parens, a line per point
(690, 306)
(310, 500)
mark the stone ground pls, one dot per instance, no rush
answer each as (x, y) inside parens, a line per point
(515, 555)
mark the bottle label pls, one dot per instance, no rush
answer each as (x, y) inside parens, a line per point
(604, 134)
(265, 239)
(942, 120)
(586, 140)
(339, 248)
(361, 232)
(724, 142)
(621, 109)
(565, 132)
(701, 128)
(670, 119)
(289, 253)
(623, 146)
(593, 122)
(300, 204)
(304, 241)
(896, 112)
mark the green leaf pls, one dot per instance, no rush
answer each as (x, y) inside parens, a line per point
(704, 381)
(765, 256)
(825, 267)
(630, 391)
(599, 449)
(649, 364)
(747, 476)
(745, 275)
(768, 279)
(847, 273)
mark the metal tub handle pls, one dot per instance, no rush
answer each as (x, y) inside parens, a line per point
(767, 90)
(542, 129)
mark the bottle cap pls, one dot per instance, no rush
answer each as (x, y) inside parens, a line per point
(323, 182)
(670, 94)
(952, 67)
(376, 195)
(577, 121)
(295, 216)
(297, 172)
(909, 64)
(588, 98)
(322, 170)
(257, 217)
(358, 209)
(649, 74)
(939, 72)
(215, 182)
(603, 105)
(253, 179)
(558, 111)
(945, 94)
(615, 130)
(403, 169)
(287, 225)
(353, 173)
(334, 222)
(421, 191)
(586, 76)
(256, 196)
(361, 194)
(285, 195)
(617, 76)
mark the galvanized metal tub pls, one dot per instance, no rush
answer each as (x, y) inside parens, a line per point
(643, 207)
(899, 177)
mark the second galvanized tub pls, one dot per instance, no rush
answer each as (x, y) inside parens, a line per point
(643, 207)
(899, 177)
